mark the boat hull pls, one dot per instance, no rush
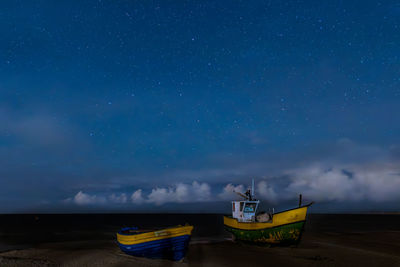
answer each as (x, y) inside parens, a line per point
(169, 243)
(285, 229)
(289, 234)
(174, 248)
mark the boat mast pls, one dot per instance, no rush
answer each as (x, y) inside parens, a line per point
(252, 188)
(249, 195)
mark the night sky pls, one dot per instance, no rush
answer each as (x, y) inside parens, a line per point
(170, 105)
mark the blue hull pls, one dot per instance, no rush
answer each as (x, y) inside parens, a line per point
(173, 248)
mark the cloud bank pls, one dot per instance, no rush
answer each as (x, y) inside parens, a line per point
(318, 182)
(350, 173)
(180, 193)
(347, 183)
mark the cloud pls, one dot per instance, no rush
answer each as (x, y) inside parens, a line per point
(82, 198)
(350, 173)
(85, 199)
(228, 192)
(262, 191)
(266, 192)
(319, 182)
(38, 129)
(122, 198)
(160, 196)
(137, 197)
(181, 193)
(378, 183)
(202, 191)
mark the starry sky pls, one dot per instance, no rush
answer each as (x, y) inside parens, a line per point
(170, 105)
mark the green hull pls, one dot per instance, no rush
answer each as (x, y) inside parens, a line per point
(288, 234)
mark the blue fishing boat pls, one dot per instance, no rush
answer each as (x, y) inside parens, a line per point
(170, 243)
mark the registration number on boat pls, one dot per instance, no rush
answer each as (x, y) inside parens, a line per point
(160, 233)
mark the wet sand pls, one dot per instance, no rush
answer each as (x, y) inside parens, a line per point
(328, 241)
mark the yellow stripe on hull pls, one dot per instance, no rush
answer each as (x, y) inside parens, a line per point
(155, 235)
(278, 219)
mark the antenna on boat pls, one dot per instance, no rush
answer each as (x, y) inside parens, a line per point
(249, 195)
(252, 188)
(242, 195)
(300, 199)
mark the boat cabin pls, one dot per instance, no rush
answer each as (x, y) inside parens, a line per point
(245, 211)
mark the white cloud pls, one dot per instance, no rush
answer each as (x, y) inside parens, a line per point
(160, 196)
(82, 198)
(181, 193)
(137, 197)
(380, 182)
(202, 191)
(266, 192)
(228, 192)
(262, 191)
(85, 199)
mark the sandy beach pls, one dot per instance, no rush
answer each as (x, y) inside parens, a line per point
(322, 245)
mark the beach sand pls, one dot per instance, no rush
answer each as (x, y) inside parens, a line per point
(330, 249)
(320, 246)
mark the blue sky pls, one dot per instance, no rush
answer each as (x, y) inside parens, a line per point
(175, 101)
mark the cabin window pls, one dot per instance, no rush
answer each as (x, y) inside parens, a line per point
(250, 207)
(241, 206)
(233, 206)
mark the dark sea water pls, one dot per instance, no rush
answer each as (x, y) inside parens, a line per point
(18, 231)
